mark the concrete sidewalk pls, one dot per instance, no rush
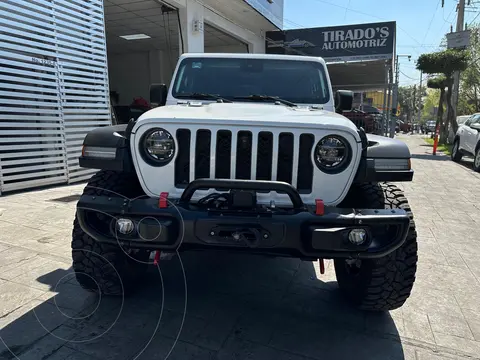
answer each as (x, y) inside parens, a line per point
(243, 307)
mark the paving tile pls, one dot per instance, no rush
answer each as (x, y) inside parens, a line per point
(4, 247)
(240, 349)
(459, 344)
(33, 329)
(417, 327)
(427, 355)
(166, 348)
(46, 277)
(450, 325)
(14, 257)
(13, 296)
(473, 319)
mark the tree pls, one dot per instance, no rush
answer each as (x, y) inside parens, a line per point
(469, 98)
(407, 102)
(440, 83)
(430, 104)
(445, 62)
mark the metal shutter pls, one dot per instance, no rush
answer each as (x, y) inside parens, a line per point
(53, 88)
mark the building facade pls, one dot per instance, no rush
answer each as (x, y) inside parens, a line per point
(61, 60)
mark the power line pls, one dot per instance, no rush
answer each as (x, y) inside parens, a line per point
(475, 18)
(431, 21)
(401, 72)
(346, 10)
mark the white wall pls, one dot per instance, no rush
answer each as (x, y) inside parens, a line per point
(131, 74)
(194, 41)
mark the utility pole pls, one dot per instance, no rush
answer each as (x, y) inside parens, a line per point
(412, 111)
(456, 74)
(395, 92)
(420, 99)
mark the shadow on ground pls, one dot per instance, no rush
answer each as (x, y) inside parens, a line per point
(238, 307)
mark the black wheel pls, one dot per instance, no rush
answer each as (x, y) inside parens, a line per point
(385, 283)
(456, 154)
(476, 161)
(103, 268)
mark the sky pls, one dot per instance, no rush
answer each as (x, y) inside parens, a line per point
(421, 24)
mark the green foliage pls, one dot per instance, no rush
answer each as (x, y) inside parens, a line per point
(438, 82)
(407, 99)
(430, 104)
(469, 99)
(443, 62)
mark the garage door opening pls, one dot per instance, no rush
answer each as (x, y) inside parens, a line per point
(142, 49)
(217, 41)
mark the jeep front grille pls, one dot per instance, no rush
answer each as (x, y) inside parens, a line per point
(244, 155)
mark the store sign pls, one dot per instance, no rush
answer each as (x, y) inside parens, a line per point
(272, 10)
(458, 40)
(338, 43)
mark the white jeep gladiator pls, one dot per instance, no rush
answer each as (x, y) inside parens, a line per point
(246, 153)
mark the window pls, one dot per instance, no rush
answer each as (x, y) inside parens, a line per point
(469, 121)
(302, 82)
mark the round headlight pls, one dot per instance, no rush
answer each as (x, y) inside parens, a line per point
(158, 146)
(332, 154)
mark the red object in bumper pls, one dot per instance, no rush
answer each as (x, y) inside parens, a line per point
(162, 202)
(157, 257)
(319, 207)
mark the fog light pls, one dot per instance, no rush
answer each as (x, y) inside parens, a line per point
(124, 226)
(357, 236)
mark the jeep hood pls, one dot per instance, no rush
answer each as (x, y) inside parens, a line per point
(248, 114)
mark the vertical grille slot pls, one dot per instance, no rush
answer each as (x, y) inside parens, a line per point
(264, 155)
(223, 154)
(305, 165)
(182, 162)
(202, 154)
(244, 155)
(285, 157)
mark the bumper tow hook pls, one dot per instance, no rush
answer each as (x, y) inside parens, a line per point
(157, 257)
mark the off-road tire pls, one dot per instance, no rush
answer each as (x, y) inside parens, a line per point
(104, 268)
(456, 154)
(385, 283)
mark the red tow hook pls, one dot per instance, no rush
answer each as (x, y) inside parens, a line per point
(319, 207)
(162, 201)
(322, 266)
(157, 257)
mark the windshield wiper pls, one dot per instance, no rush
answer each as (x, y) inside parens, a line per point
(202, 96)
(256, 97)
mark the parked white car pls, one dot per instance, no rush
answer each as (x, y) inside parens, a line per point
(467, 141)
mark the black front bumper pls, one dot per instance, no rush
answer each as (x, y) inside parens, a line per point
(294, 232)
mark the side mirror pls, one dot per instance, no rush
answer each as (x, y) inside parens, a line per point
(158, 94)
(343, 101)
(475, 126)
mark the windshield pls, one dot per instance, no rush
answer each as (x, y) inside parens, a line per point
(301, 82)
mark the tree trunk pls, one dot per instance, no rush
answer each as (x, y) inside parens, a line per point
(440, 110)
(450, 109)
(477, 103)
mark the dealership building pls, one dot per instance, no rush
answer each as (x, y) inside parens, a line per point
(60, 61)
(64, 63)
